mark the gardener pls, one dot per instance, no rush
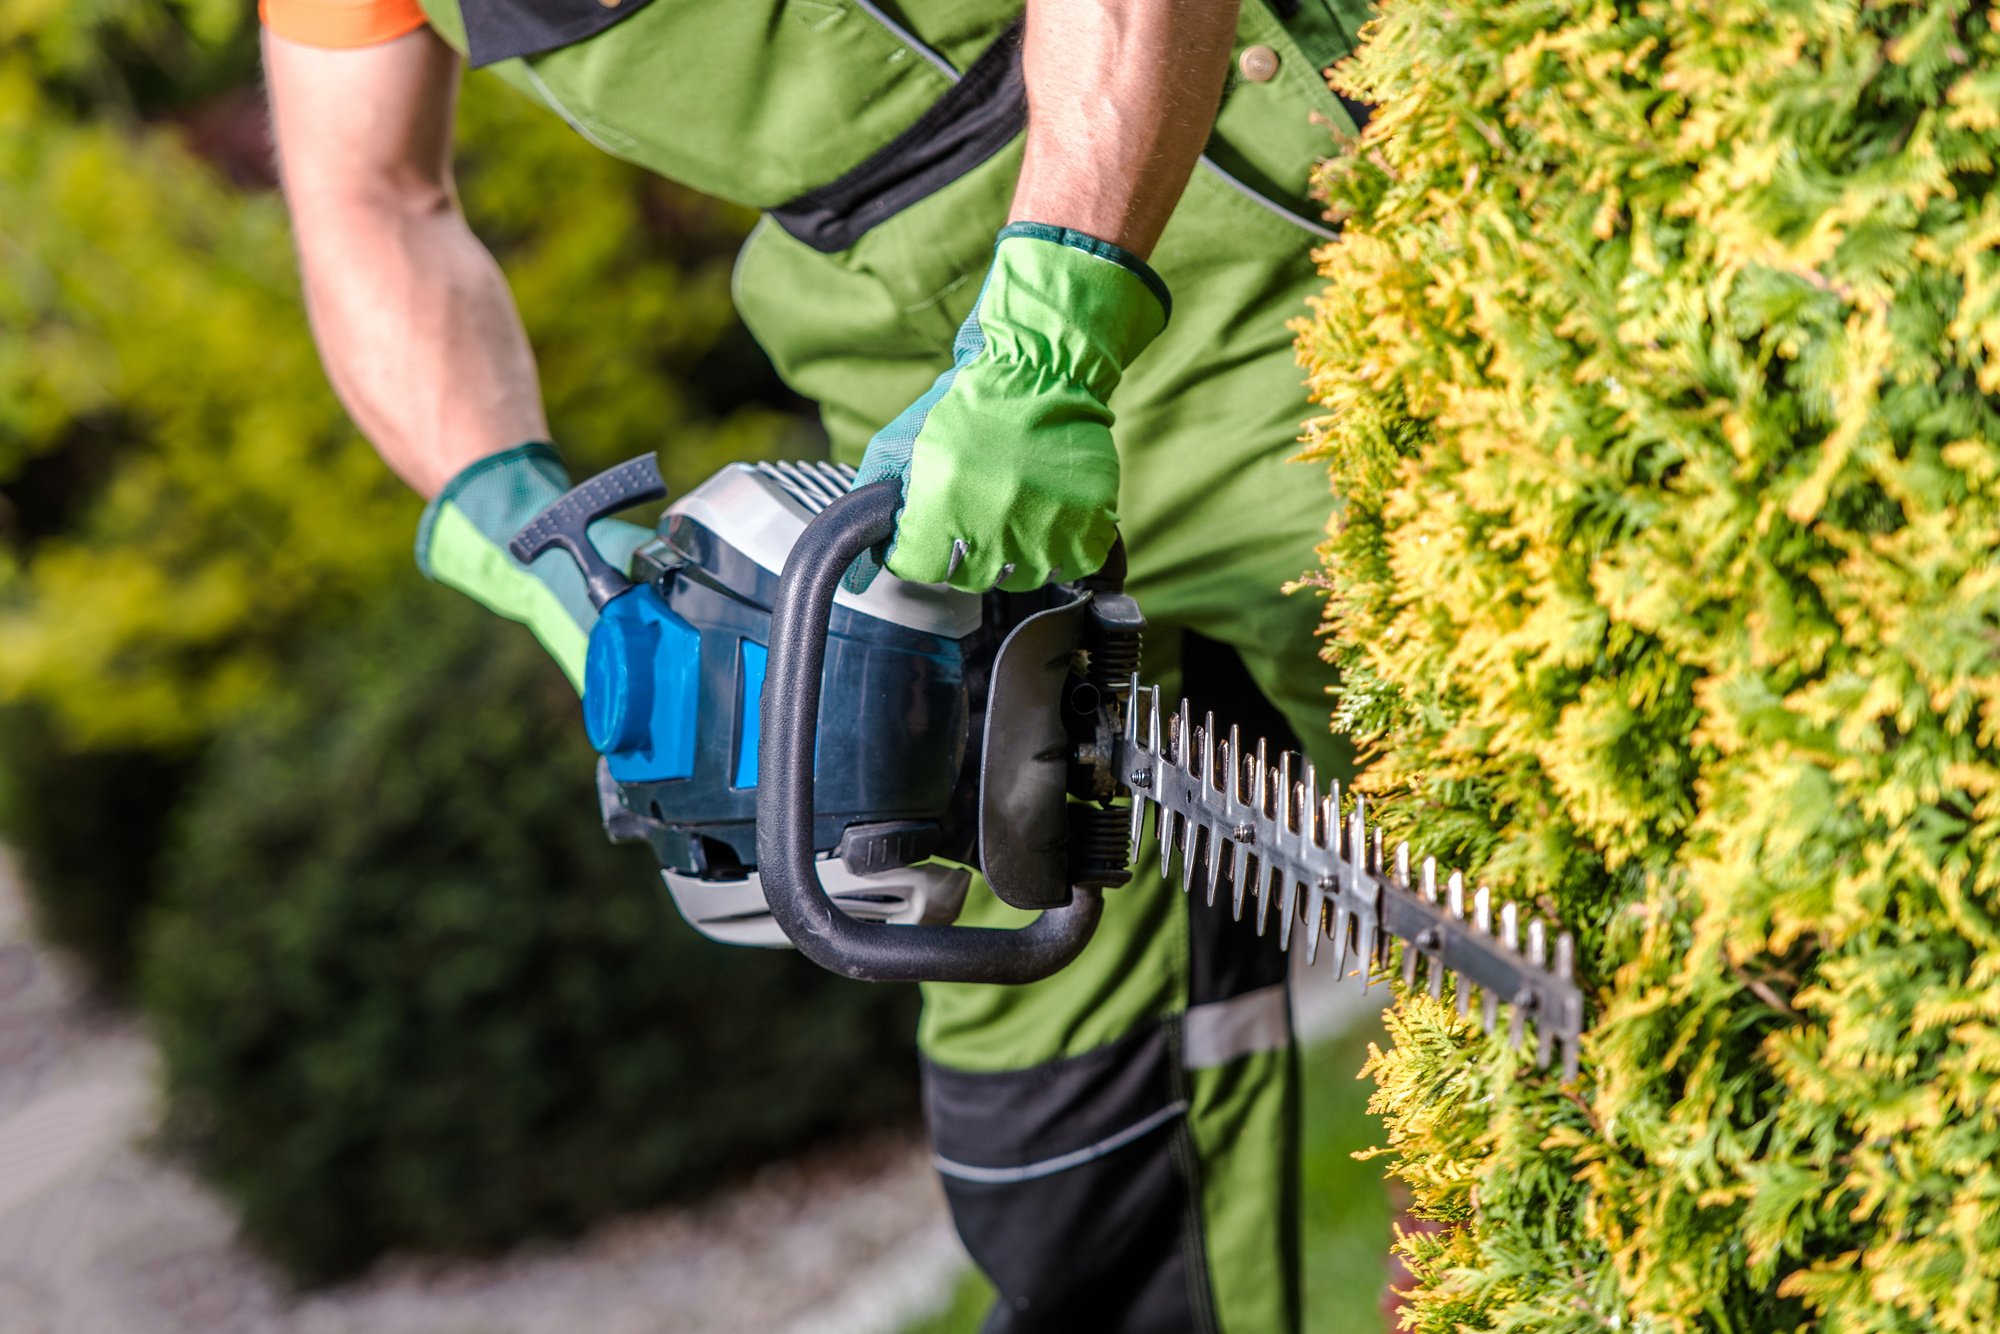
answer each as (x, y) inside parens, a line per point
(1118, 1143)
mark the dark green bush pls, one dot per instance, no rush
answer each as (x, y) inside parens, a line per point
(86, 826)
(410, 998)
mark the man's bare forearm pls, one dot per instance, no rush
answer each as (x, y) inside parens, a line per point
(419, 334)
(1121, 96)
(414, 321)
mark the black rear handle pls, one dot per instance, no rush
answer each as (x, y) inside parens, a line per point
(785, 744)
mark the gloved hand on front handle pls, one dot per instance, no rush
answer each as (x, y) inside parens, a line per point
(1008, 470)
(462, 542)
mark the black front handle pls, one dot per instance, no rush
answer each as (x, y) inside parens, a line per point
(785, 744)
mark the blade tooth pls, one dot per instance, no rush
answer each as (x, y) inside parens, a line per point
(1260, 770)
(1288, 907)
(1312, 836)
(1184, 736)
(1538, 957)
(1215, 850)
(1134, 701)
(1364, 948)
(1357, 838)
(1343, 926)
(1454, 893)
(1231, 776)
(1155, 753)
(1402, 863)
(1239, 875)
(1208, 752)
(1566, 970)
(1375, 853)
(1194, 834)
(1285, 821)
(1264, 871)
(1482, 921)
(1309, 805)
(1315, 922)
(1349, 861)
(1517, 1010)
(1433, 968)
(1164, 833)
(1410, 951)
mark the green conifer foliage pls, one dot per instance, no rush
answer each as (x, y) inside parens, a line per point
(1660, 359)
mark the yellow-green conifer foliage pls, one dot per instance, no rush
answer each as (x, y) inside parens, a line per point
(154, 351)
(1659, 362)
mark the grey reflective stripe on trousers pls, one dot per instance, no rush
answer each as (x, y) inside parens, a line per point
(1062, 1162)
(1222, 1031)
(1211, 1035)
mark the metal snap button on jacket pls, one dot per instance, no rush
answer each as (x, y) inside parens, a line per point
(1259, 64)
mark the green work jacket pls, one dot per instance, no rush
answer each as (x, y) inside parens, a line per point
(882, 141)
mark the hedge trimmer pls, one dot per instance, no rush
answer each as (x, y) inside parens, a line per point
(820, 767)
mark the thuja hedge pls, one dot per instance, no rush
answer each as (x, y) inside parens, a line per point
(1659, 360)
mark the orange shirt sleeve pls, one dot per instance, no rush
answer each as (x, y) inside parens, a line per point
(340, 22)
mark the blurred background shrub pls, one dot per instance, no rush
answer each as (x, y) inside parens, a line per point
(408, 996)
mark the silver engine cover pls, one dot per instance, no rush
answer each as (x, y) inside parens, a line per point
(734, 911)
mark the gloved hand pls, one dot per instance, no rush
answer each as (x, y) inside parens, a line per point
(1008, 471)
(462, 543)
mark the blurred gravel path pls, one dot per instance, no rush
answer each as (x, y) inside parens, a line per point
(99, 1237)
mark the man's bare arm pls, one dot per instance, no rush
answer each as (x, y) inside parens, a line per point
(414, 321)
(1121, 95)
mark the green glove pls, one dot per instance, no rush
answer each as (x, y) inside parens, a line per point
(1008, 471)
(462, 543)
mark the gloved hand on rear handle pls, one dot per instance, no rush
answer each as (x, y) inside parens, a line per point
(1008, 470)
(462, 542)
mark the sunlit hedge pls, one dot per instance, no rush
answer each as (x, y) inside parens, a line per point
(1659, 361)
